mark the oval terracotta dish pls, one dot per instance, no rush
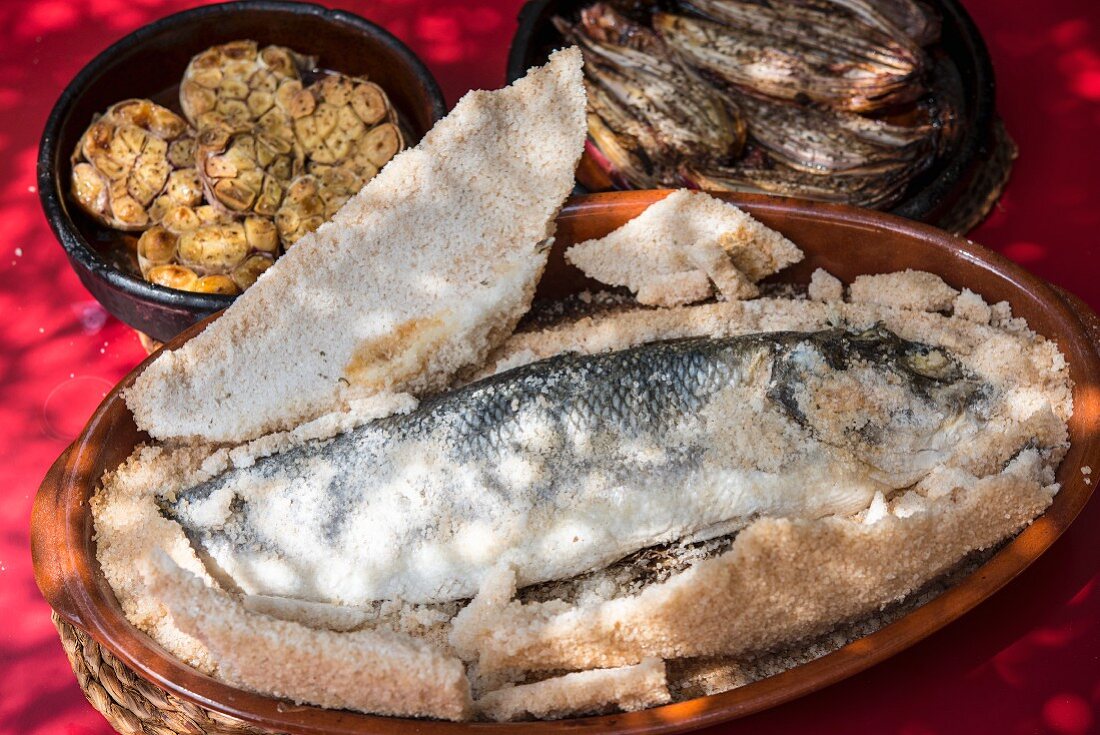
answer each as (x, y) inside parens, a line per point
(848, 242)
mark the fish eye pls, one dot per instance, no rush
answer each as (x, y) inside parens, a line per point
(929, 362)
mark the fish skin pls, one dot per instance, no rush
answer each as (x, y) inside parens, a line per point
(568, 464)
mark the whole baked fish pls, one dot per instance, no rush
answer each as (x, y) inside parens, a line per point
(568, 464)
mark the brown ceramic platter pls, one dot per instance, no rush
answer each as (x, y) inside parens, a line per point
(847, 242)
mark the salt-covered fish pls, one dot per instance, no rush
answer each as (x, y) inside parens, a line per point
(568, 464)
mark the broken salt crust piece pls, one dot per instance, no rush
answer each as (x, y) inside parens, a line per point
(825, 287)
(368, 670)
(908, 289)
(630, 688)
(709, 257)
(668, 254)
(345, 314)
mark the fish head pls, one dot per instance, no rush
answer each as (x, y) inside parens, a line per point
(900, 407)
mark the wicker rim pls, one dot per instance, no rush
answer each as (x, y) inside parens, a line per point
(133, 705)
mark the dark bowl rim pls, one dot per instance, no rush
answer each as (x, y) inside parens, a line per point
(922, 204)
(50, 191)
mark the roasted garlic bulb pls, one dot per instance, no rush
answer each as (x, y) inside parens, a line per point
(248, 172)
(346, 122)
(127, 159)
(235, 84)
(347, 131)
(223, 256)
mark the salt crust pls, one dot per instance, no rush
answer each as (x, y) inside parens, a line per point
(799, 577)
(971, 306)
(907, 289)
(339, 317)
(824, 286)
(629, 688)
(403, 675)
(782, 581)
(669, 253)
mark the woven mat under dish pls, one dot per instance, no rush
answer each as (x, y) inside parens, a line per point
(132, 705)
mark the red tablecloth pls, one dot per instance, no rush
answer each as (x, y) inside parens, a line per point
(1025, 661)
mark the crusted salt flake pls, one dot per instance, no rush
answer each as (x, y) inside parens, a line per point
(629, 688)
(658, 243)
(877, 510)
(908, 289)
(972, 307)
(824, 286)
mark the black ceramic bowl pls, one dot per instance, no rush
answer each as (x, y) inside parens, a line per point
(955, 193)
(149, 63)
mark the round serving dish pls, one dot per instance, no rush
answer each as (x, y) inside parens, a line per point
(956, 193)
(159, 690)
(149, 63)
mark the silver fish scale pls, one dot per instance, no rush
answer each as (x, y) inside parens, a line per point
(624, 392)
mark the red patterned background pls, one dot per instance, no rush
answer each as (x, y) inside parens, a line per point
(1025, 661)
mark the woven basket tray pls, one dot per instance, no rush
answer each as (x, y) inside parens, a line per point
(133, 705)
